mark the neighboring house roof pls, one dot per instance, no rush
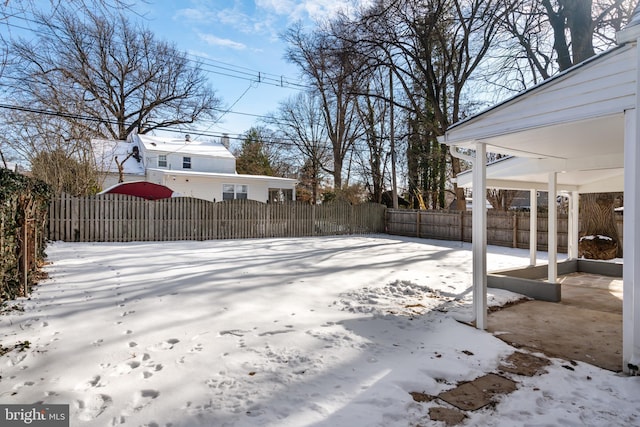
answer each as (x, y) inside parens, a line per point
(106, 150)
(165, 145)
(144, 189)
(231, 176)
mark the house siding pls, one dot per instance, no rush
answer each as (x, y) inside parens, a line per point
(198, 163)
(210, 187)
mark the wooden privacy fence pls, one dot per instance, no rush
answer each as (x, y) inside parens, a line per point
(503, 228)
(121, 218)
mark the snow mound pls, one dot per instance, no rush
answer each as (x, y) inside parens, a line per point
(400, 297)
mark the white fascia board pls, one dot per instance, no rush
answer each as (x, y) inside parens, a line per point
(233, 176)
(510, 184)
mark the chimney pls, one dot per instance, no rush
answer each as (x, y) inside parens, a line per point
(187, 137)
(225, 140)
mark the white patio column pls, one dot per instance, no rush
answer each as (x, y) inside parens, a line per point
(631, 244)
(574, 225)
(575, 231)
(552, 238)
(533, 228)
(479, 236)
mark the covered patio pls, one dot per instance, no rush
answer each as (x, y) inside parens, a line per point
(577, 132)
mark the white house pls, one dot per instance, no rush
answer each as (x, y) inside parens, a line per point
(577, 132)
(205, 170)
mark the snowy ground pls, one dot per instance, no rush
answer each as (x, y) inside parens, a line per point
(330, 331)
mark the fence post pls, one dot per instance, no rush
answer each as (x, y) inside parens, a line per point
(515, 230)
(462, 226)
(25, 256)
(418, 222)
(75, 218)
(313, 219)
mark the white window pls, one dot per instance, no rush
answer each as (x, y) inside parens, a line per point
(241, 192)
(238, 191)
(228, 192)
(162, 161)
(186, 163)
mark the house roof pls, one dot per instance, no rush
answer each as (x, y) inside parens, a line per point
(165, 145)
(632, 29)
(105, 151)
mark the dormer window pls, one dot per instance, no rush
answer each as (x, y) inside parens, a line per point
(162, 161)
(186, 163)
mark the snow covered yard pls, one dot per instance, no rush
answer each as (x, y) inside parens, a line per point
(333, 331)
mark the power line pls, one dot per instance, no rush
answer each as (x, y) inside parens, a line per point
(278, 140)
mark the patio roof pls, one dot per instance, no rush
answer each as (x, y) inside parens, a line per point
(518, 173)
(569, 124)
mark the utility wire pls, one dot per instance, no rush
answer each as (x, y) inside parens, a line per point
(281, 141)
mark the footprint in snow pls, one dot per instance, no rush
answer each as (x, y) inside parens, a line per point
(196, 349)
(165, 345)
(268, 333)
(141, 399)
(234, 332)
(18, 386)
(90, 408)
(125, 368)
(88, 384)
(16, 359)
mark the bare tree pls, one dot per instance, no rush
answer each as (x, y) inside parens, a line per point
(373, 156)
(434, 47)
(15, 15)
(301, 123)
(57, 153)
(538, 39)
(108, 76)
(331, 68)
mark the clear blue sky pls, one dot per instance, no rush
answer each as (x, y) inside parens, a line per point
(238, 40)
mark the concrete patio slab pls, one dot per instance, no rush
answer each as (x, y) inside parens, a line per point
(586, 325)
